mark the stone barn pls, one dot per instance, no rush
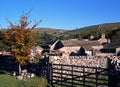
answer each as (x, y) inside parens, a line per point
(75, 47)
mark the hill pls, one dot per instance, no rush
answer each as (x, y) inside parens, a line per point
(46, 35)
(49, 30)
(104, 27)
(110, 29)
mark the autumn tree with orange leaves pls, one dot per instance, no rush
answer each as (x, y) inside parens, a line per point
(20, 38)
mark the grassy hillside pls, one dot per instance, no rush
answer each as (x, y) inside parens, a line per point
(104, 27)
(47, 34)
(96, 30)
(49, 30)
(110, 29)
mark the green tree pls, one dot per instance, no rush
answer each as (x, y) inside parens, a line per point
(114, 35)
(20, 38)
(2, 45)
(43, 38)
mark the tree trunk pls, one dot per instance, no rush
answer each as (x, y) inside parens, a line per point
(19, 68)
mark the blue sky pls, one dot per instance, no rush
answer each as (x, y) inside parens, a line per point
(61, 14)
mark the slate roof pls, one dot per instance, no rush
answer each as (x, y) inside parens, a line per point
(85, 44)
(112, 45)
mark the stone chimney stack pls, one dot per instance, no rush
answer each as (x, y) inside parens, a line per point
(103, 35)
(91, 37)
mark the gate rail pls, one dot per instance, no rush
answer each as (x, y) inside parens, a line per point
(77, 76)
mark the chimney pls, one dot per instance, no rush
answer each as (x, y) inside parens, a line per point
(91, 37)
(103, 35)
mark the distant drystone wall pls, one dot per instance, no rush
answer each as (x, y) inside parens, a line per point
(91, 61)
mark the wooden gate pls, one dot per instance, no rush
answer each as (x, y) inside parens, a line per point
(77, 76)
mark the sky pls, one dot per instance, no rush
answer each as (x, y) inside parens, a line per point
(61, 14)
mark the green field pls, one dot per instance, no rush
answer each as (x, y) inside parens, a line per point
(6, 80)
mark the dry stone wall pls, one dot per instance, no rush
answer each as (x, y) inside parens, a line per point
(91, 61)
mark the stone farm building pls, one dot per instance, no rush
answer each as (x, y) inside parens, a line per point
(35, 51)
(75, 47)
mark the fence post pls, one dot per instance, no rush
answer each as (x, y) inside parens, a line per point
(96, 76)
(72, 75)
(112, 75)
(50, 73)
(83, 76)
(61, 73)
(108, 67)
